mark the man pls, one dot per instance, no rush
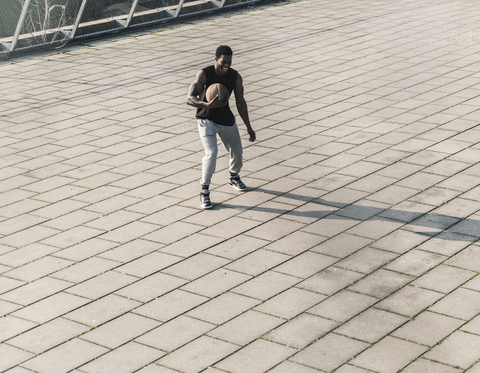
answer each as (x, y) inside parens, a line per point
(215, 118)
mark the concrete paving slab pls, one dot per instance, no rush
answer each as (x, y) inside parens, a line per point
(389, 355)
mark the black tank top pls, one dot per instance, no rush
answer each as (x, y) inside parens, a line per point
(222, 115)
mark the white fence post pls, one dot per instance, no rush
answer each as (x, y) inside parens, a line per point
(77, 20)
(10, 46)
(179, 8)
(130, 15)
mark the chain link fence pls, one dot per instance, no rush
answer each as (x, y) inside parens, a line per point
(28, 24)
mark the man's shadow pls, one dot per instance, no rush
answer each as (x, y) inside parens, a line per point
(423, 223)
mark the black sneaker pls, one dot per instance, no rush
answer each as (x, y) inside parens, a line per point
(205, 202)
(237, 184)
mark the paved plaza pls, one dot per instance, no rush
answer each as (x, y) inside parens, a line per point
(353, 251)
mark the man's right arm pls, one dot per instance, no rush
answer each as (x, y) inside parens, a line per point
(196, 88)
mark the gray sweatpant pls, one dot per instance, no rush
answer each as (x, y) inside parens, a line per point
(230, 137)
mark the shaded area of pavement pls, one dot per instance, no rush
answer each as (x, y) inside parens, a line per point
(355, 249)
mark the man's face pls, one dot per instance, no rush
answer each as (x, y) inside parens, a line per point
(222, 64)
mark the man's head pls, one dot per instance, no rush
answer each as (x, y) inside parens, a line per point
(223, 59)
(223, 50)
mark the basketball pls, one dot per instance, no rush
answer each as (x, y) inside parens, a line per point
(217, 88)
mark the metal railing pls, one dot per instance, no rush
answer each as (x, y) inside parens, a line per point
(26, 24)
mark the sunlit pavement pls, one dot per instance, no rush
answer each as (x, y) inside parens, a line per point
(353, 251)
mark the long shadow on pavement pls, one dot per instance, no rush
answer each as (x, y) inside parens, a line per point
(441, 226)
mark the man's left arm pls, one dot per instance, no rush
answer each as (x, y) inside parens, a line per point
(242, 107)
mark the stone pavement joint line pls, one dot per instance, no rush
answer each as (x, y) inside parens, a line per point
(355, 249)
